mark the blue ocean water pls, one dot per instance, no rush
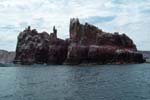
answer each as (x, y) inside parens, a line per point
(86, 82)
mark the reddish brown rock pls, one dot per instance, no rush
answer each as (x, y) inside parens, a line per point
(77, 54)
(99, 47)
(40, 48)
(87, 44)
(90, 35)
(32, 47)
(57, 51)
(83, 34)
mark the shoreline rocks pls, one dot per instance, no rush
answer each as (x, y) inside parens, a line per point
(87, 44)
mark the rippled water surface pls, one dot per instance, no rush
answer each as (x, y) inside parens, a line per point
(92, 82)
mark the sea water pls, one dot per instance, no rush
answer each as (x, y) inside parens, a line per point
(86, 82)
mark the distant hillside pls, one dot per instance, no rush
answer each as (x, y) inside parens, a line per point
(146, 54)
(6, 57)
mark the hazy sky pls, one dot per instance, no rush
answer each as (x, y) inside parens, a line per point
(125, 16)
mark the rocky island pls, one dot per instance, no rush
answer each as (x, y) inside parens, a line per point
(86, 44)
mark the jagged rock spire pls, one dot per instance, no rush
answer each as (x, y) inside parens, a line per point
(54, 30)
(54, 34)
(29, 28)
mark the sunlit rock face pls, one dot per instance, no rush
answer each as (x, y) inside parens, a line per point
(87, 44)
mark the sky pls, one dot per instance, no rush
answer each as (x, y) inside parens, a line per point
(124, 16)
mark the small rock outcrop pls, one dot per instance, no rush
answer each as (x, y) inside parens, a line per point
(87, 44)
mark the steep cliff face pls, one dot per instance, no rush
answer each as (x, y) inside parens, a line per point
(81, 54)
(87, 44)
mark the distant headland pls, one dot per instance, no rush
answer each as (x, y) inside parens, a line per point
(87, 44)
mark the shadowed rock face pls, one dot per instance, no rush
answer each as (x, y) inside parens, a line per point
(57, 51)
(87, 44)
(80, 54)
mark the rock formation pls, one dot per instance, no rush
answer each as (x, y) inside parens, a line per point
(57, 49)
(90, 35)
(87, 44)
(91, 45)
(40, 48)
